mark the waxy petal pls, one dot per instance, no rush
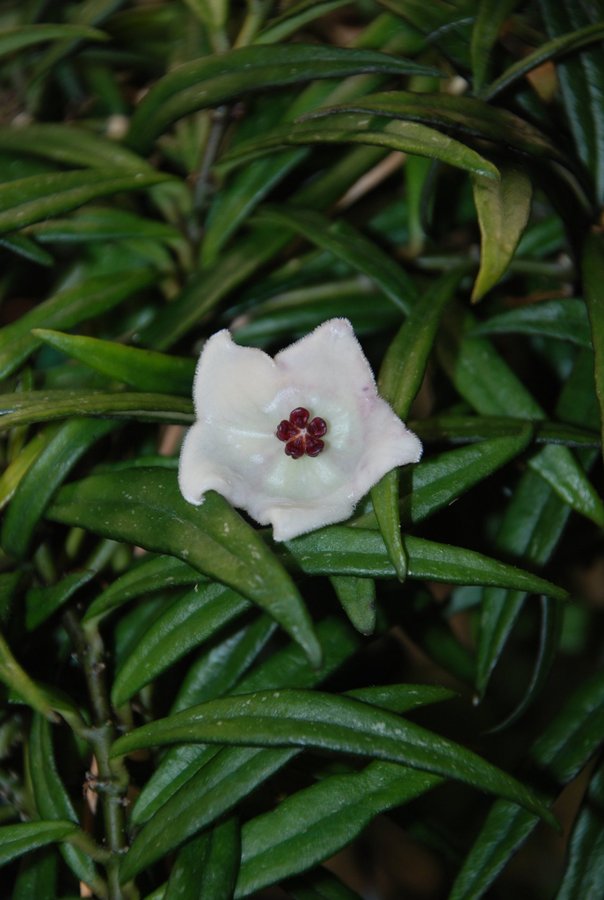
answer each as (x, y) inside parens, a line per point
(241, 397)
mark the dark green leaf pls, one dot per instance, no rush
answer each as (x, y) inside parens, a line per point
(144, 507)
(375, 130)
(71, 145)
(32, 199)
(52, 799)
(214, 79)
(310, 719)
(43, 602)
(490, 16)
(37, 876)
(186, 624)
(43, 478)
(460, 429)
(28, 249)
(16, 678)
(99, 224)
(46, 406)
(145, 370)
(313, 824)
(462, 115)
(562, 319)
(355, 551)
(15, 840)
(584, 871)
(206, 868)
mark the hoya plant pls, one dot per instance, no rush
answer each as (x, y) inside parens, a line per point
(302, 360)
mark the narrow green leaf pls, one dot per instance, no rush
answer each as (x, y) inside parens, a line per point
(212, 781)
(47, 406)
(37, 876)
(347, 244)
(88, 298)
(357, 596)
(186, 624)
(145, 370)
(490, 16)
(70, 145)
(562, 319)
(342, 550)
(584, 871)
(15, 677)
(52, 799)
(458, 113)
(23, 246)
(14, 472)
(483, 378)
(319, 884)
(42, 479)
(32, 199)
(212, 80)
(14, 39)
(15, 840)
(100, 224)
(294, 17)
(593, 275)
(364, 128)
(290, 718)
(144, 507)
(151, 574)
(558, 46)
(400, 379)
(460, 429)
(503, 209)
(316, 822)
(207, 867)
(43, 602)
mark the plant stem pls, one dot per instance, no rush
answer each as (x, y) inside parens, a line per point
(113, 778)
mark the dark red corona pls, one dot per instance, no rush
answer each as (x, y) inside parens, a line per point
(301, 436)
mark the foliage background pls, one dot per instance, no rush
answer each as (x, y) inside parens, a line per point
(413, 685)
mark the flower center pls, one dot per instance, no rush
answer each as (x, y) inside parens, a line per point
(301, 436)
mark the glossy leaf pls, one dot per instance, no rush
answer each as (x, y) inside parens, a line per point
(15, 840)
(144, 507)
(99, 224)
(291, 718)
(145, 370)
(214, 781)
(316, 822)
(43, 602)
(294, 17)
(32, 199)
(37, 876)
(400, 378)
(152, 574)
(349, 245)
(52, 799)
(187, 623)
(483, 378)
(557, 47)
(461, 429)
(372, 129)
(23, 246)
(562, 319)
(357, 551)
(503, 209)
(460, 114)
(593, 275)
(44, 476)
(88, 298)
(206, 868)
(47, 406)
(212, 80)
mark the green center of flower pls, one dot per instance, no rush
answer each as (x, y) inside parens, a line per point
(300, 435)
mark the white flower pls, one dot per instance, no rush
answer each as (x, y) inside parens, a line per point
(297, 440)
